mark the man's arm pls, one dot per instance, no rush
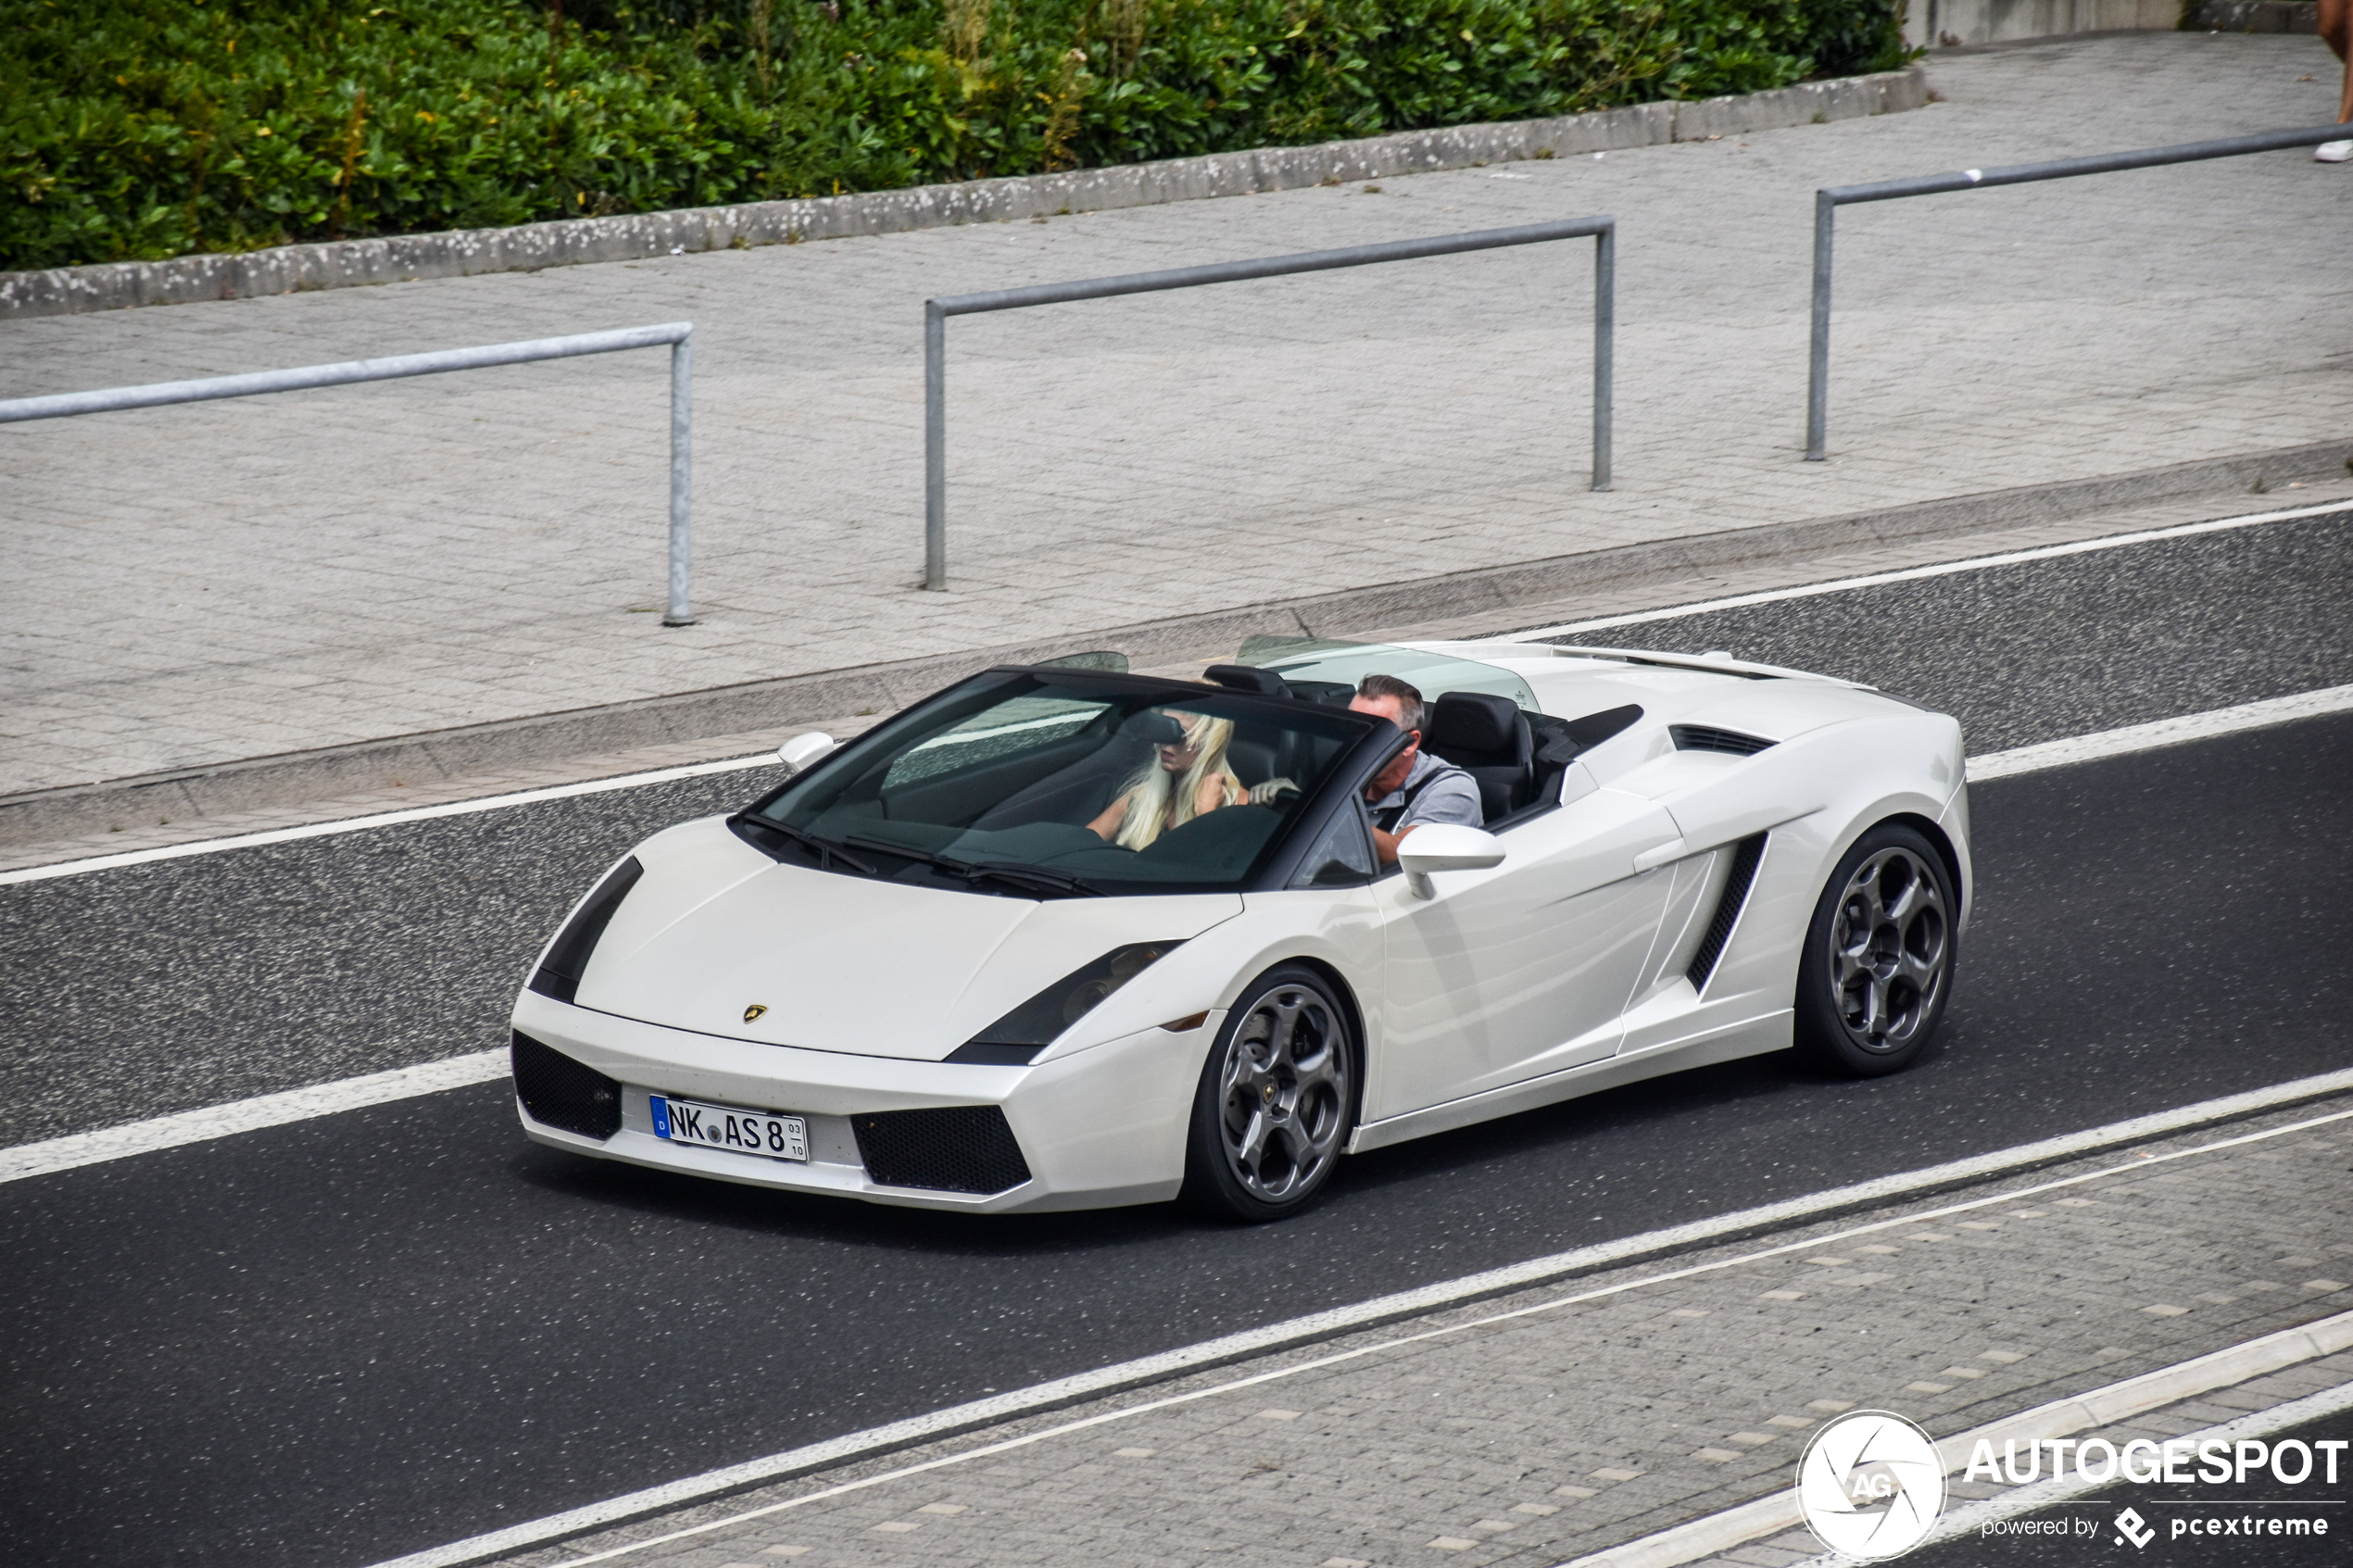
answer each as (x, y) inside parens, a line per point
(1453, 796)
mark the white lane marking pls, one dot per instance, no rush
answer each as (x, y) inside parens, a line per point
(1991, 765)
(326, 1099)
(386, 819)
(249, 1115)
(516, 1538)
(2160, 733)
(1917, 573)
(635, 781)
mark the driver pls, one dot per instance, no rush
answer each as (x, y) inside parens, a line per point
(1414, 788)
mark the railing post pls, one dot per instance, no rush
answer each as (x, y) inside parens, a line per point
(935, 445)
(682, 459)
(1818, 378)
(1605, 344)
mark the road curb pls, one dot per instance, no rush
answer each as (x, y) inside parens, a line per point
(61, 291)
(194, 794)
(1778, 1510)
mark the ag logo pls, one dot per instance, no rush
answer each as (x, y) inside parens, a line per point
(2132, 1527)
(753, 1013)
(1870, 1486)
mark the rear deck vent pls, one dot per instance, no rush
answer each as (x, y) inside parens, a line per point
(1707, 737)
(947, 1148)
(559, 1092)
(1728, 911)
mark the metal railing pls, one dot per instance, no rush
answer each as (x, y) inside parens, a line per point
(679, 336)
(1603, 231)
(1828, 202)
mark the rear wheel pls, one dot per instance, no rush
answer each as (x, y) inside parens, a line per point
(1276, 1102)
(1878, 964)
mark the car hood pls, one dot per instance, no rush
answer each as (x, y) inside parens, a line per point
(844, 963)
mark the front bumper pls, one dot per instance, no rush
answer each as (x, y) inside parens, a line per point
(1098, 1128)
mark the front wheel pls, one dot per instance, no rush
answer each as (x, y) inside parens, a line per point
(1276, 1102)
(1878, 965)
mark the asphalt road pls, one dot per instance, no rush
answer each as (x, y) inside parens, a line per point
(189, 982)
(332, 1342)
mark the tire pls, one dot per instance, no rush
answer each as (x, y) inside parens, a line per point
(1880, 953)
(1276, 1101)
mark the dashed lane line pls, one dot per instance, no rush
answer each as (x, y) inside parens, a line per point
(2159, 733)
(249, 1115)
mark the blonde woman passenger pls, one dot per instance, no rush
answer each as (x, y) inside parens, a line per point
(1183, 781)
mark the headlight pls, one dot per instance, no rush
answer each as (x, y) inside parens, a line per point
(559, 974)
(1029, 1028)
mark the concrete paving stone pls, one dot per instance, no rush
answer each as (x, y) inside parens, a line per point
(1308, 434)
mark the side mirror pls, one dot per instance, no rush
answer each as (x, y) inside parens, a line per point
(1446, 847)
(801, 750)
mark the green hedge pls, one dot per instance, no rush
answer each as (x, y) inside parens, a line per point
(140, 129)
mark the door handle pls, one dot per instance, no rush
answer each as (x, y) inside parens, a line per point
(1658, 855)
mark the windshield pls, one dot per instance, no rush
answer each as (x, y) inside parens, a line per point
(1329, 668)
(1053, 785)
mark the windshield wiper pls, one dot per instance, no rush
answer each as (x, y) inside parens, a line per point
(825, 849)
(1033, 877)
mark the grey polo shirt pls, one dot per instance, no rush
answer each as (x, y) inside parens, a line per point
(1446, 795)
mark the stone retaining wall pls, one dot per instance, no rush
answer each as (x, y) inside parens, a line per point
(462, 253)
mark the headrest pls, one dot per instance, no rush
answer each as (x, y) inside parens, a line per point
(1473, 722)
(1247, 678)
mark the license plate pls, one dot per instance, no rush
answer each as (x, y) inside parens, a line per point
(721, 1126)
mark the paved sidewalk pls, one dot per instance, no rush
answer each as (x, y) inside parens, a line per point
(192, 585)
(1572, 1418)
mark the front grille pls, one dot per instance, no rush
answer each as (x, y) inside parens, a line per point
(949, 1149)
(1728, 911)
(559, 1092)
(1707, 737)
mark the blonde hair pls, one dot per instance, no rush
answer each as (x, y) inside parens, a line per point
(1158, 801)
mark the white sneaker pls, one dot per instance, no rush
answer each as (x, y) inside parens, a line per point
(2334, 152)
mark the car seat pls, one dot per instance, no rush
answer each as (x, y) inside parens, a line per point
(1488, 737)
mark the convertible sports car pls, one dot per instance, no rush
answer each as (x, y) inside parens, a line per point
(1065, 936)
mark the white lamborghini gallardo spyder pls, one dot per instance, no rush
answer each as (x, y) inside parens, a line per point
(940, 965)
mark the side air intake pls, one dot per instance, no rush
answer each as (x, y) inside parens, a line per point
(947, 1148)
(1707, 737)
(1728, 911)
(559, 1092)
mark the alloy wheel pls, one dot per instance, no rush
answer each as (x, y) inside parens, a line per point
(1891, 946)
(1283, 1093)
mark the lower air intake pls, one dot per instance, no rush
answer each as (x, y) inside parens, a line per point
(951, 1148)
(559, 1092)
